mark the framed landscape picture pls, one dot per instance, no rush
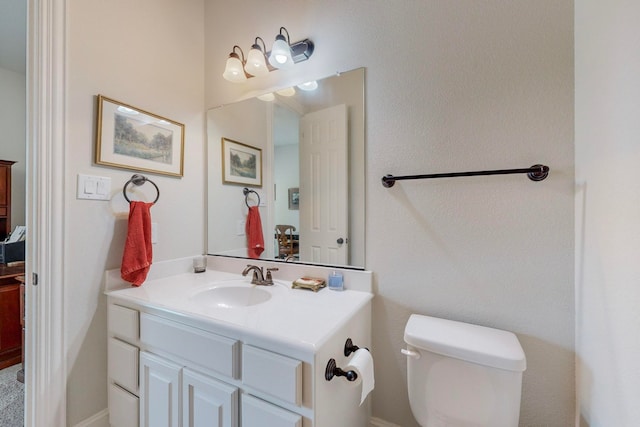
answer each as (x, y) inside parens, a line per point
(241, 163)
(130, 138)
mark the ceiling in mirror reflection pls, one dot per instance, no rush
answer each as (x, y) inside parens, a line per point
(274, 127)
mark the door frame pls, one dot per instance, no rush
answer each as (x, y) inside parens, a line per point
(45, 360)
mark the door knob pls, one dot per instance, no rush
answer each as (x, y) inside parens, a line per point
(340, 241)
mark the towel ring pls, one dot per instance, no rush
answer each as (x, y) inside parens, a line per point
(246, 192)
(139, 180)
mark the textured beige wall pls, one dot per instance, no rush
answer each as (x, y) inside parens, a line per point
(607, 211)
(451, 86)
(149, 54)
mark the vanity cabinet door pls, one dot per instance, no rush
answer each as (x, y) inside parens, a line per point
(258, 413)
(159, 392)
(207, 402)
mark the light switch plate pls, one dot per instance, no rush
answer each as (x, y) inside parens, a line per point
(93, 187)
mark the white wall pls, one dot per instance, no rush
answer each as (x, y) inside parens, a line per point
(228, 207)
(451, 86)
(286, 167)
(607, 99)
(149, 54)
(12, 142)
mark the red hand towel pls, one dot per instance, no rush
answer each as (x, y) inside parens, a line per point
(253, 229)
(136, 259)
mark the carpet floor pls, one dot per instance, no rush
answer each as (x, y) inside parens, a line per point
(11, 398)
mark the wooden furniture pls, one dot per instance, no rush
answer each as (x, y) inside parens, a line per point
(10, 321)
(5, 198)
(288, 244)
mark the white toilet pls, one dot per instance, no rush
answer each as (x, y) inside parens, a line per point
(462, 375)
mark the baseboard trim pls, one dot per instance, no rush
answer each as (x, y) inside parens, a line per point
(377, 422)
(101, 419)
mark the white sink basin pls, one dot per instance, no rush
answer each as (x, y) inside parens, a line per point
(232, 295)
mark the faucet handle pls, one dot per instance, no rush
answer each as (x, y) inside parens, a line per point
(269, 279)
(269, 270)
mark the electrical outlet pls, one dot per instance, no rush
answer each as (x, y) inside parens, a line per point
(240, 226)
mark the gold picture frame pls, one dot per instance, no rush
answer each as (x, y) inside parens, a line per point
(241, 163)
(128, 137)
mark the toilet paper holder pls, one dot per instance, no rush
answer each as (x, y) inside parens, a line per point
(349, 347)
(332, 369)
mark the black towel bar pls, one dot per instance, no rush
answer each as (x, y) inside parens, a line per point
(535, 173)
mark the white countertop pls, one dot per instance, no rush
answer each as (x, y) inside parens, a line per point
(294, 317)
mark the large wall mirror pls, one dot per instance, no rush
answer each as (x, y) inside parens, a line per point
(309, 142)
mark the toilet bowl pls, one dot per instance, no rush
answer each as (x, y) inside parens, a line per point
(462, 375)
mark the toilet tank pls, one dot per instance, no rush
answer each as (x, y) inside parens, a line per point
(463, 375)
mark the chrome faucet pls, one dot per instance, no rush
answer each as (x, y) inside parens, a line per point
(258, 276)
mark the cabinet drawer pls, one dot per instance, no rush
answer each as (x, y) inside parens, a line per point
(123, 323)
(213, 352)
(123, 407)
(3, 211)
(258, 413)
(123, 364)
(271, 373)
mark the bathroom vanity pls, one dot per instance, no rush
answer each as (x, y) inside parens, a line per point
(212, 349)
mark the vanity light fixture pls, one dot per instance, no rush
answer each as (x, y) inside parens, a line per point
(281, 52)
(234, 70)
(256, 64)
(283, 55)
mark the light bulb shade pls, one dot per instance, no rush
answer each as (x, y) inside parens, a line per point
(309, 86)
(289, 91)
(268, 97)
(256, 64)
(233, 71)
(280, 56)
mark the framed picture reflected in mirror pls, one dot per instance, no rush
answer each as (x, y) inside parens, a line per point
(294, 199)
(241, 163)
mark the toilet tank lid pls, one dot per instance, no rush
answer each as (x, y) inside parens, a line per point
(473, 343)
